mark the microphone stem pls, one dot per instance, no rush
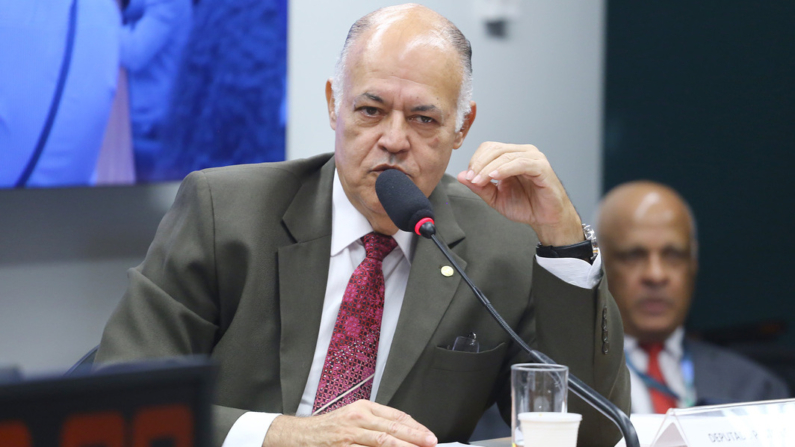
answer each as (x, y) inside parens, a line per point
(580, 388)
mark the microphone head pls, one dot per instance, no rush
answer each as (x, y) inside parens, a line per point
(405, 204)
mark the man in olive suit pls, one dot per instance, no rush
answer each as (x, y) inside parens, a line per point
(261, 267)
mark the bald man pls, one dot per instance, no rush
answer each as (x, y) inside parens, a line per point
(331, 327)
(648, 240)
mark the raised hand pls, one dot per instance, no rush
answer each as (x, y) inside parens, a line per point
(518, 181)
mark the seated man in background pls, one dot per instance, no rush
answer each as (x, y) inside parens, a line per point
(648, 240)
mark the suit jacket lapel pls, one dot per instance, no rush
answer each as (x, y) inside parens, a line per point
(303, 274)
(428, 294)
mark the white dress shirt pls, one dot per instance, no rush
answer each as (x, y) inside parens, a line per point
(670, 365)
(347, 252)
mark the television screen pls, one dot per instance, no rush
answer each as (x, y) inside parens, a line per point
(116, 92)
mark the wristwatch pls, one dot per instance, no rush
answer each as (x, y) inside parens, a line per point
(585, 250)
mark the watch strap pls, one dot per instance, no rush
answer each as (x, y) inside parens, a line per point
(581, 250)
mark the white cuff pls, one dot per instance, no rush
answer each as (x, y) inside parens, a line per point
(574, 271)
(250, 429)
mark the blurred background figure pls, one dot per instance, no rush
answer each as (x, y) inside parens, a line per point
(229, 97)
(648, 239)
(153, 37)
(58, 72)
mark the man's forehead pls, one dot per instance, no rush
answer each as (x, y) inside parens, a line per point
(651, 236)
(416, 79)
(412, 52)
(407, 50)
(412, 25)
(644, 204)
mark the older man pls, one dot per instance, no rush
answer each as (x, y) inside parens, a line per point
(297, 282)
(648, 237)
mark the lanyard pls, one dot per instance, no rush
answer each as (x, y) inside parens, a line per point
(686, 365)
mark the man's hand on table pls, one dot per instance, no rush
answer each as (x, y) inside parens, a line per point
(362, 423)
(527, 190)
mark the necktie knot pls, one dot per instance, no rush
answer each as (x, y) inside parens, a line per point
(378, 246)
(653, 349)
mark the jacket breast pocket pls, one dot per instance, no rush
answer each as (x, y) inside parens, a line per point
(456, 389)
(448, 360)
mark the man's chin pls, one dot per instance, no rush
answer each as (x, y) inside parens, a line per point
(376, 209)
(378, 217)
(651, 333)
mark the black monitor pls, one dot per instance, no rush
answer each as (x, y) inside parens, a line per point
(148, 404)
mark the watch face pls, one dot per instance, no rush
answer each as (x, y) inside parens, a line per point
(590, 235)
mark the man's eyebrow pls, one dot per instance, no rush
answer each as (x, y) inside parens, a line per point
(371, 97)
(378, 99)
(425, 108)
(634, 248)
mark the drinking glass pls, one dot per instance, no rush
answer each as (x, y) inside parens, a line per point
(536, 388)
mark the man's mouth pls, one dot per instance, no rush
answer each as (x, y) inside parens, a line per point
(384, 166)
(655, 305)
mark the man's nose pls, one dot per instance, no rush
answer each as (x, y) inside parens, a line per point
(654, 273)
(395, 137)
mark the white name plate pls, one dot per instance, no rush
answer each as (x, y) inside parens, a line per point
(754, 424)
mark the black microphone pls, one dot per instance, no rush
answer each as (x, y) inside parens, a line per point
(411, 211)
(405, 204)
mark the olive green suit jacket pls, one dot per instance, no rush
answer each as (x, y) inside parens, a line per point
(238, 270)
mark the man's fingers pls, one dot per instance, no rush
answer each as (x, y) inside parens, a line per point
(537, 169)
(380, 438)
(503, 168)
(511, 164)
(401, 426)
(490, 151)
(486, 192)
(375, 438)
(414, 436)
(393, 414)
(484, 154)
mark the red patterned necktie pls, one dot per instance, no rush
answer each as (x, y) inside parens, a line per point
(354, 343)
(660, 401)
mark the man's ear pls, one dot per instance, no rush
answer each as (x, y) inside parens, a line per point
(468, 120)
(332, 114)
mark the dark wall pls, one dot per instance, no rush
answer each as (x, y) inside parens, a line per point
(701, 96)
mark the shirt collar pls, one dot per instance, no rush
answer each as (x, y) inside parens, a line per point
(348, 225)
(673, 344)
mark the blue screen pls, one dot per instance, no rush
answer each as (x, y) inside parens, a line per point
(100, 92)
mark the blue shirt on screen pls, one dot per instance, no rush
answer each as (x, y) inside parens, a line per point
(33, 35)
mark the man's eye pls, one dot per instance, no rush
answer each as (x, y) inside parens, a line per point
(632, 256)
(369, 111)
(425, 119)
(674, 255)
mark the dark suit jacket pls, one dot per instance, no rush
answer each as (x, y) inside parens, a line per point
(238, 271)
(723, 376)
